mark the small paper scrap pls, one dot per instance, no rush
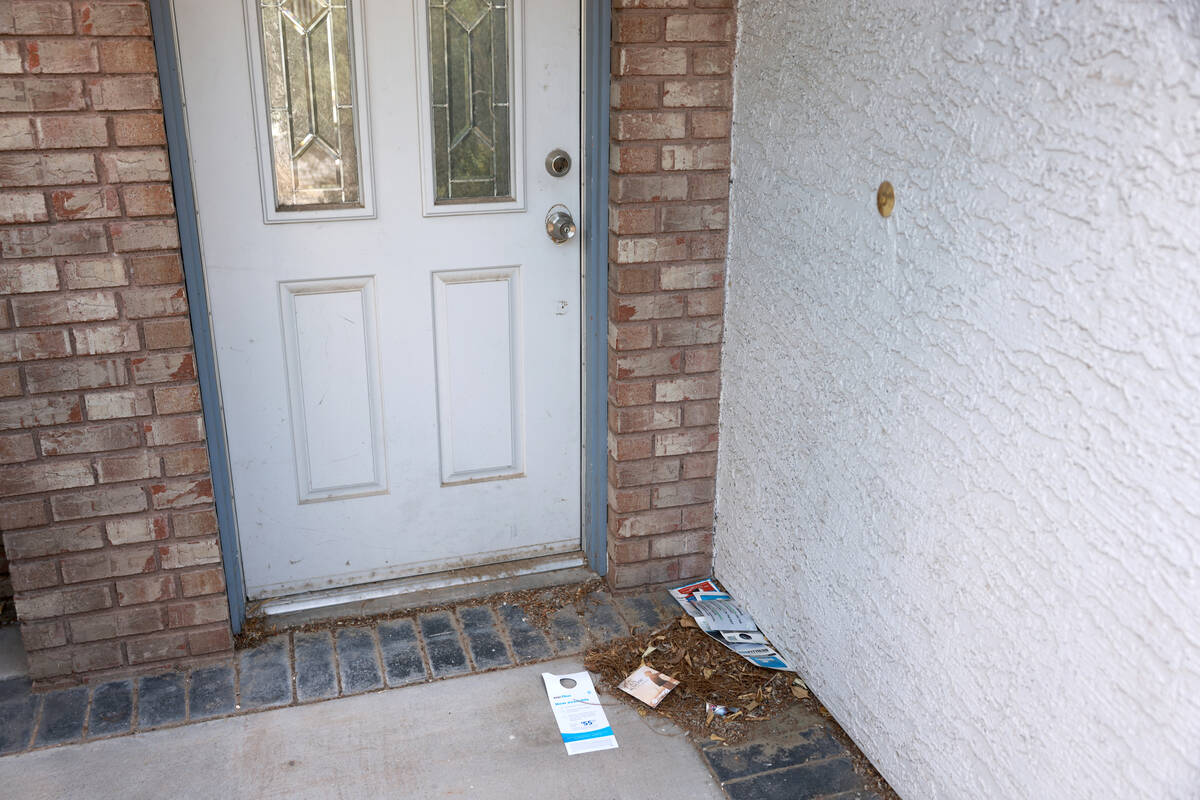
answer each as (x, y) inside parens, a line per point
(581, 719)
(648, 685)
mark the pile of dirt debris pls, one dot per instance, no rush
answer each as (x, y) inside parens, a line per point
(720, 695)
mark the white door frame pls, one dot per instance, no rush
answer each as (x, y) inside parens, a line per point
(594, 101)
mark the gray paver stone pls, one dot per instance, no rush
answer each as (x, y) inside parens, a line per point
(642, 613)
(266, 674)
(402, 660)
(161, 700)
(112, 709)
(315, 677)
(528, 643)
(15, 689)
(487, 647)
(446, 655)
(739, 761)
(357, 660)
(804, 782)
(566, 630)
(16, 723)
(601, 619)
(211, 693)
(62, 717)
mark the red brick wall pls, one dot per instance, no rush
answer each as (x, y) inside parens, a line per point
(669, 191)
(106, 499)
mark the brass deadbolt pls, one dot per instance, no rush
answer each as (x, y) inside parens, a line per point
(885, 199)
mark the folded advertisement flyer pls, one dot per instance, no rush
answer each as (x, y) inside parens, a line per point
(648, 685)
(716, 613)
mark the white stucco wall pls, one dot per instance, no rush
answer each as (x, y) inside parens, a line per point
(959, 475)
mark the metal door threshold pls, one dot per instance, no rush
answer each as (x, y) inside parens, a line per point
(424, 590)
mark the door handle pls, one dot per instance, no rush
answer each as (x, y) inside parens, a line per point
(560, 225)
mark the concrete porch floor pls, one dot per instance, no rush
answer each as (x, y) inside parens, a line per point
(489, 735)
(434, 704)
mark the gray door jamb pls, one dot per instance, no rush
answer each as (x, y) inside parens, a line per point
(598, 27)
(197, 294)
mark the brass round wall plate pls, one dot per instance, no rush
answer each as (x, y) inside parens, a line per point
(885, 199)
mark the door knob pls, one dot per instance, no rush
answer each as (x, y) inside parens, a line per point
(560, 226)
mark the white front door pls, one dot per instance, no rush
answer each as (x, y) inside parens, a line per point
(397, 337)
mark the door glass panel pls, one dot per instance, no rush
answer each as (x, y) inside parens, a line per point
(308, 72)
(469, 80)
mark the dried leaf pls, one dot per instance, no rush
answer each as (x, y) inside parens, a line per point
(687, 622)
(708, 720)
(799, 692)
(716, 738)
(648, 651)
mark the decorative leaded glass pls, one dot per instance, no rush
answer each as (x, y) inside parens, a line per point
(469, 81)
(308, 68)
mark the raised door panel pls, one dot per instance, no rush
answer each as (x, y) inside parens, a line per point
(481, 415)
(333, 387)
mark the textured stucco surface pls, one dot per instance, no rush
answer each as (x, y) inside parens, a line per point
(959, 476)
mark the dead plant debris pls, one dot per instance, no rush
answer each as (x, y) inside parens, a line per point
(708, 674)
(539, 605)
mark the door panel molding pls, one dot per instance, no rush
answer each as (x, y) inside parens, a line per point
(317, 317)
(480, 375)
